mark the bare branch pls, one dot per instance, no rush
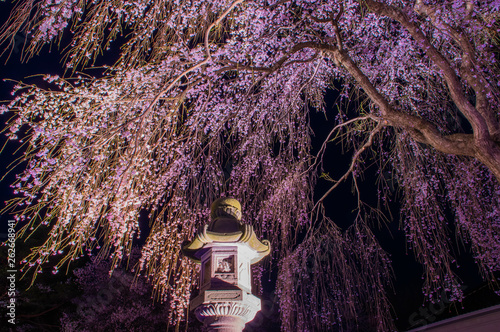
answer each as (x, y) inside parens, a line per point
(320, 154)
(354, 162)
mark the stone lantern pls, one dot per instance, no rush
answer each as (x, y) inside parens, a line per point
(226, 248)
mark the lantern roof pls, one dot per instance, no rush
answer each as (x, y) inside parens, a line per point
(226, 228)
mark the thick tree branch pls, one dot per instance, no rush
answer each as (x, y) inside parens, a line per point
(470, 69)
(279, 64)
(477, 122)
(485, 148)
(422, 130)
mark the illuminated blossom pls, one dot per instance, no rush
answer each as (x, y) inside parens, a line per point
(212, 98)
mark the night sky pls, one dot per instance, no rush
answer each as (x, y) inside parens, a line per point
(406, 298)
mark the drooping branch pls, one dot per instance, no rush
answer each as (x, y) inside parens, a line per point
(15, 23)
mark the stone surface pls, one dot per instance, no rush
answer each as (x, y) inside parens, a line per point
(226, 248)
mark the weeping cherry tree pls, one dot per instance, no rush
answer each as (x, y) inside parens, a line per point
(213, 98)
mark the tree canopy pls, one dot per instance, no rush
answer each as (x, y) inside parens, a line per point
(213, 98)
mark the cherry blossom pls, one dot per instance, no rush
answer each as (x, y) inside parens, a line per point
(213, 98)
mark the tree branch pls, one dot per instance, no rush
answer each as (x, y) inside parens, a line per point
(453, 82)
(354, 162)
(470, 69)
(423, 131)
(483, 146)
